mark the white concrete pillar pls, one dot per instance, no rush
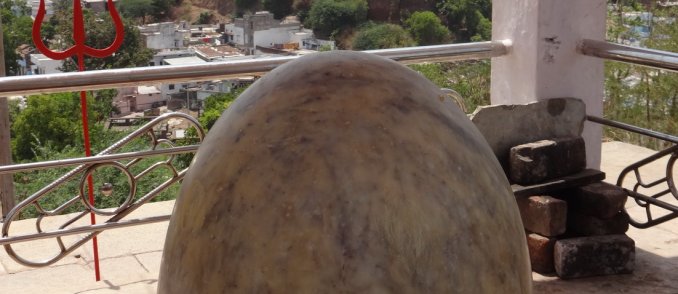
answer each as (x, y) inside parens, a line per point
(543, 62)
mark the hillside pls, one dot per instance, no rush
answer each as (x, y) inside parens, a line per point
(380, 10)
(223, 7)
(391, 10)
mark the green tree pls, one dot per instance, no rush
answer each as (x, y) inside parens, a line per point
(215, 105)
(279, 8)
(329, 17)
(426, 28)
(302, 8)
(49, 120)
(467, 19)
(137, 9)
(162, 8)
(54, 120)
(242, 6)
(205, 17)
(637, 95)
(471, 79)
(100, 34)
(381, 36)
(16, 30)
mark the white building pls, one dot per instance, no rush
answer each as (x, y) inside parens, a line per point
(136, 99)
(49, 8)
(216, 53)
(41, 64)
(159, 57)
(166, 35)
(96, 5)
(168, 89)
(262, 30)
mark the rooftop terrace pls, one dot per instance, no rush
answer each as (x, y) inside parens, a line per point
(541, 55)
(130, 257)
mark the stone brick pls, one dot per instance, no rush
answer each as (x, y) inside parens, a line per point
(586, 225)
(544, 215)
(541, 253)
(506, 126)
(601, 200)
(546, 159)
(594, 256)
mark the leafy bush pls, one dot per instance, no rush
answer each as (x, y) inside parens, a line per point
(426, 28)
(329, 17)
(381, 36)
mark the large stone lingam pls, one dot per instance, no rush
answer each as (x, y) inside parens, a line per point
(345, 172)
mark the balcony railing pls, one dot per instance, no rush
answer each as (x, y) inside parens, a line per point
(136, 76)
(657, 210)
(95, 80)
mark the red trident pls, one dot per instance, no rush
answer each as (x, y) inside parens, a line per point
(79, 50)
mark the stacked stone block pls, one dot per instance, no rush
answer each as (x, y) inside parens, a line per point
(578, 232)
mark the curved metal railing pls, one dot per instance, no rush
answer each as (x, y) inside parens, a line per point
(658, 188)
(106, 158)
(94, 80)
(137, 76)
(665, 185)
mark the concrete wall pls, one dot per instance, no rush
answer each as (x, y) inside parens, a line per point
(166, 35)
(267, 38)
(43, 65)
(159, 57)
(145, 101)
(543, 62)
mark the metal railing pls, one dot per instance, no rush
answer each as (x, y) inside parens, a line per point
(86, 167)
(660, 187)
(104, 79)
(94, 80)
(634, 55)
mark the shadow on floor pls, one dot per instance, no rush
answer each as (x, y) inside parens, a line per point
(653, 274)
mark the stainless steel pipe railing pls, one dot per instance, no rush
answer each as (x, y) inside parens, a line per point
(103, 79)
(634, 55)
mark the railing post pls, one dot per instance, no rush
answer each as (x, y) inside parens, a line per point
(6, 182)
(544, 63)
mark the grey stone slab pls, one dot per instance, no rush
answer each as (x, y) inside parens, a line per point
(601, 200)
(584, 177)
(505, 126)
(542, 160)
(594, 256)
(586, 225)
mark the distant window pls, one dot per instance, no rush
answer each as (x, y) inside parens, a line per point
(152, 63)
(171, 86)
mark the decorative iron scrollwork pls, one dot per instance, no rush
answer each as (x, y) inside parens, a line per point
(657, 188)
(115, 214)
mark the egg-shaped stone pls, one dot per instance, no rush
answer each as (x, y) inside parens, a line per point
(345, 172)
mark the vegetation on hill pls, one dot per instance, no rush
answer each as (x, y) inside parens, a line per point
(637, 95)
(381, 36)
(16, 30)
(426, 28)
(49, 127)
(329, 17)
